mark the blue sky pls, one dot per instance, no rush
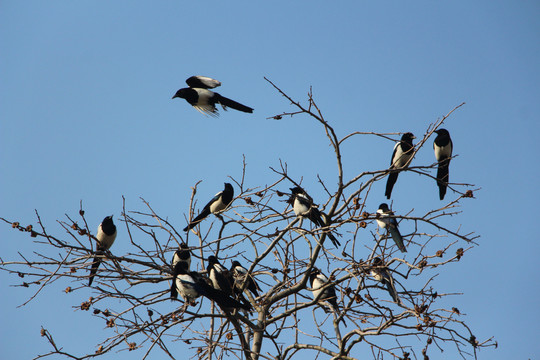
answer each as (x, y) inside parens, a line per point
(86, 114)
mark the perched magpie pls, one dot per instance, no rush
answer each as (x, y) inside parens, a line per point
(240, 274)
(443, 153)
(386, 222)
(106, 235)
(204, 100)
(181, 258)
(219, 275)
(381, 273)
(191, 285)
(303, 206)
(401, 157)
(318, 280)
(218, 203)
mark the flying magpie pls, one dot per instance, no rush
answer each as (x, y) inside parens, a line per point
(191, 285)
(443, 153)
(318, 280)
(220, 202)
(240, 274)
(386, 222)
(181, 258)
(401, 158)
(204, 100)
(303, 206)
(106, 234)
(381, 273)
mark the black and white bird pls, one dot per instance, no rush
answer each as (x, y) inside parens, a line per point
(385, 221)
(220, 202)
(219, 275)
(328, 297)
(106, 234)
(443, 153)
(381, 274)
(191, 285)
(181, 258)
(204, 100)
(240, 275)
(401, 158)
(303, 206)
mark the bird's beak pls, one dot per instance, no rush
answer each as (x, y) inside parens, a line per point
(112, 216)
(173, 96)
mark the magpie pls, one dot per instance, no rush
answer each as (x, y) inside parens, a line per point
(219, 275)
(191, 285)
(181, 258)
(204, 100)
(106, 234)
(220, 202)
(303, 206)
(385, 221)
(401, 158)
(318, 280)
(443, 153)
(381, 274)
(240, 274)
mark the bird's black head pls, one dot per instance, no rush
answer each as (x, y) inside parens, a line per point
(235, 263)
(180, 93)
(184, 246)
(376, 261)
(408, 137)
(297, 190)
(229, 187)
(442, 132)
(383, 207)
(314, 272)
(212, 260)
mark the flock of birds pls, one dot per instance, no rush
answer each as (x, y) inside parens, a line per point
(226, 287)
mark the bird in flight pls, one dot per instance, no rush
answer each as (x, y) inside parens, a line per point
(106, 235)
(204, 100)
(218, 203)
(401, 158)
(443, 154)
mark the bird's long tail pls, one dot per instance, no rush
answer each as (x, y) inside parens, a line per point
(398, 239)
(392, 178)
(225, 301)
(442, 177)
(93, 270)
(392, 291)
(197, 219)
(174, 290)
(232, 104)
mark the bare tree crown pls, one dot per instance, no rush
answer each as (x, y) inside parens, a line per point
(296, 274)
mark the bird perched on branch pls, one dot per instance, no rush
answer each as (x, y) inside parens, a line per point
(220, 202)
(240, 275)
(303, 206)
(318, 280)
(401, 158)
(191, 285)
(106, 234)
(443, 153)
(204, 100)
(381, 274)
(385, 221)
(181, 258)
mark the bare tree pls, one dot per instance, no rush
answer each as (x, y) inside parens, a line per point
(367, 297)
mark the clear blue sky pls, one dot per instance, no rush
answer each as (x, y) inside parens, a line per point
(86, 114)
